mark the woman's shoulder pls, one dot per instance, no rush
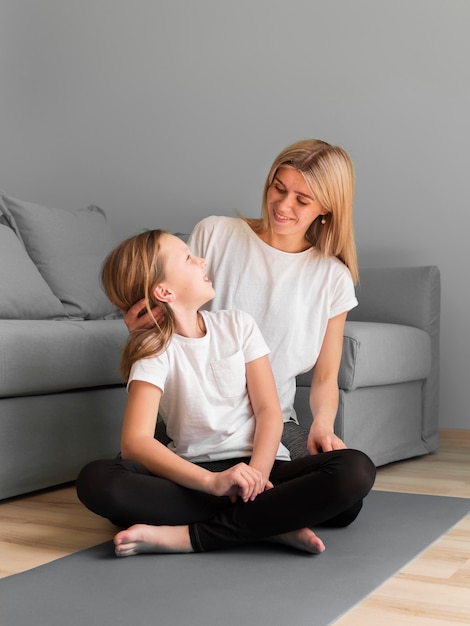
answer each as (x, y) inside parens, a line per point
(217, 234)
(218, 223)
(328, 261)
(341, 269)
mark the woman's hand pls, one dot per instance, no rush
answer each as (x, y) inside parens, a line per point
(137, 317)
(239, 481)
(323, 439)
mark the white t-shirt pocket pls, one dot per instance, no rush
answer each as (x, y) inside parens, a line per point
(229, 375)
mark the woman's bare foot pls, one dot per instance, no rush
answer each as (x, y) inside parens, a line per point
(303, 539)
(145, 538)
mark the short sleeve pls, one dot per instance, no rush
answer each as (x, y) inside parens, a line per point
(153, 370)
(344, 296)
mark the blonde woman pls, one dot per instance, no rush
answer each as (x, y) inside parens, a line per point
(294, 271)
(225, 478)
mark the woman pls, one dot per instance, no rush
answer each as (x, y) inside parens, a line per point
(225, 479)
(294, 271)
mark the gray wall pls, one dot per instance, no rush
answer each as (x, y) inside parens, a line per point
(165, 111)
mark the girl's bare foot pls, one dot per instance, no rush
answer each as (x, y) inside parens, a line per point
(303, 539)
(145, 538)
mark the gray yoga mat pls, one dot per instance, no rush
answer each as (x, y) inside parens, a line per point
(262, 584)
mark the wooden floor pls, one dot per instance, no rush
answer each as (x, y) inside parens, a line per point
(433, 589)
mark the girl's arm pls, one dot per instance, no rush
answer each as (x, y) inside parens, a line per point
(268, 415)
(138, 443)
(324, 391)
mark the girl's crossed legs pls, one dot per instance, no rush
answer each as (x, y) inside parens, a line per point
(323, 489)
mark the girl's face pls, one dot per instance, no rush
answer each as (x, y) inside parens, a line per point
(186, 276)
(292, 208)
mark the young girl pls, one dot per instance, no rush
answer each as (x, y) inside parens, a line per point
(224, 479)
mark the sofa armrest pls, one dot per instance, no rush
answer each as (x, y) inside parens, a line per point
(410, 296)
(399, 295)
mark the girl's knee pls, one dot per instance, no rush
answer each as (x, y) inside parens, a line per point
(360, 469)
(85, 481)
(94, 486)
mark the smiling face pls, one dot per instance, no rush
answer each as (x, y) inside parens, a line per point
(186, 280)
(292, 207)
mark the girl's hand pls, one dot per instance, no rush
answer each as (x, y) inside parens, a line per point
(137, 318)
(239, 481)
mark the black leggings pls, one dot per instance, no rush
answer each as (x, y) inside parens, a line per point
(323, 489)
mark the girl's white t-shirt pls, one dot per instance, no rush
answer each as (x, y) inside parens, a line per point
(291, 296)
(205, 403)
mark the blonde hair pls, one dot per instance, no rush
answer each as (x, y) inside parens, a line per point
(130, 273)
(329, 172)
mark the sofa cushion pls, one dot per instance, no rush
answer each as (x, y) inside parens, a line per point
(68, 248)
(24, 294)
(380, 354)
(42, 356)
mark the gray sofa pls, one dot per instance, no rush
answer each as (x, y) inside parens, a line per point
(61, 396)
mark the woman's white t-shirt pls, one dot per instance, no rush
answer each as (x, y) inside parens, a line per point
(291, 296)
(205, 403)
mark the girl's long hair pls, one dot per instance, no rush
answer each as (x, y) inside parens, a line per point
(130, 273)
(329, 172)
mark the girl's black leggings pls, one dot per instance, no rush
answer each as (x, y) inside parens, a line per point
(323, 489)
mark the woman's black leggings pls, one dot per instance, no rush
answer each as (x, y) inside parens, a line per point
(323, 489)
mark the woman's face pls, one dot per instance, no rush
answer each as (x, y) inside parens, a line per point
(292, 207)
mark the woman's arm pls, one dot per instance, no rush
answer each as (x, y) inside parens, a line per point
(324, 391)
(268, 415)
(138, 443)
(137, 317)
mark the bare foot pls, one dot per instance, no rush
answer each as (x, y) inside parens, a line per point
(303, 539)
(145, 538)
